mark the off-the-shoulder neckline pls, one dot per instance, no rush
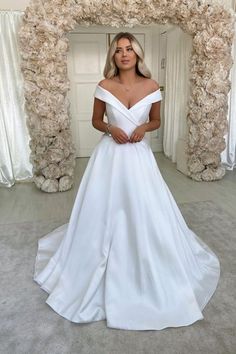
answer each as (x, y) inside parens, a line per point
(123, 103)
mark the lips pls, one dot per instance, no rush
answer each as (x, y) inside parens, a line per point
(124, 61)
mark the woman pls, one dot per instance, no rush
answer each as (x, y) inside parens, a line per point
(126, 254)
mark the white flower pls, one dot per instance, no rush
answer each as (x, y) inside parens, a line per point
(44, 49)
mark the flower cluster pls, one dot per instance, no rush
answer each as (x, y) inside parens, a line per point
(44, 48)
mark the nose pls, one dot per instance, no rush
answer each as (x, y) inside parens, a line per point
(124, 53)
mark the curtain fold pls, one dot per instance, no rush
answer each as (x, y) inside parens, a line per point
(228, 156)
(14, 136)
(179, 47)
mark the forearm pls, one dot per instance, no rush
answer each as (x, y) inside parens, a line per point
(152, 125)
(100, 125)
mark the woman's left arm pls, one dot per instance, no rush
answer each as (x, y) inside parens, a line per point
(153, 124)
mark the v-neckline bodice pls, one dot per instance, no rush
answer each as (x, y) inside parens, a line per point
(128, 109)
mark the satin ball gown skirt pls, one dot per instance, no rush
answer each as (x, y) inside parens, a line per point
(126, 255)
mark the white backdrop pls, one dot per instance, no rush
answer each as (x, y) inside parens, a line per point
(14, 137)
(179, 47)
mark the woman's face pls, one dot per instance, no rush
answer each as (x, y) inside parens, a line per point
(125, 57)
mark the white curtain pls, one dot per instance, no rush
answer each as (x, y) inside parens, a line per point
(179, 47)
(14, 137)
(228, 157)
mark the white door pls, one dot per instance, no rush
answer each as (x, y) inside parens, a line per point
(86, 61)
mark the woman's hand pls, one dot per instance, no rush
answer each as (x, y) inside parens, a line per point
(118, 135)
(138, 134)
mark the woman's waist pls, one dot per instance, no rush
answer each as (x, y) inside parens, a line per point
(127, 126)
(145, 140)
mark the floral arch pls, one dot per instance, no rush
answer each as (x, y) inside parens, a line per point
(44, 48)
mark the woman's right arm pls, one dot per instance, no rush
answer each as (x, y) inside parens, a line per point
(98, 114)
(97, 121)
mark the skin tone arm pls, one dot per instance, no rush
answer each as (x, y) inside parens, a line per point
(118, 134)
(97, 120)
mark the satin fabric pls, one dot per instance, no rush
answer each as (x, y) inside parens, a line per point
(14, 137)
(126, 254)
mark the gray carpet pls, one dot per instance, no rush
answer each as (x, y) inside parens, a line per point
(28, 325)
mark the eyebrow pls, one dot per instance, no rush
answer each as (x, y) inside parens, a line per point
(128, 46)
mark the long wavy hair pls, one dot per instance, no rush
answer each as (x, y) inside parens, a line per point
(111, 70)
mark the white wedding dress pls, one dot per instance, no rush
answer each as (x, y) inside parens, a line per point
(126, 254)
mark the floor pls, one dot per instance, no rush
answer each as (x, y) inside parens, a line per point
(48, 333)
(24, 202)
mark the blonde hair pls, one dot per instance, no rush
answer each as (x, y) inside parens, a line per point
(111, 70)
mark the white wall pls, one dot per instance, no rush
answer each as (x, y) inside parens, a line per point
(13, 4)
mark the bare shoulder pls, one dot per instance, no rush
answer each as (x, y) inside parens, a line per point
(148, 85)
(151, 85)
(103, 83)
(107, 84)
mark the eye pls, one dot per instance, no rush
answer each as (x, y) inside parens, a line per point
(117, 51)
(130, 49)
